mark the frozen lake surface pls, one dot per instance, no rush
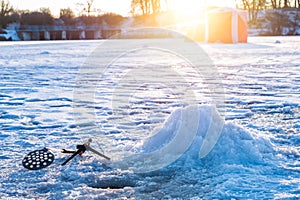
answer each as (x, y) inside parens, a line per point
(45, 101)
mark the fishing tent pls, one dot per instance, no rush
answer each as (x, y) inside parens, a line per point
(226, 25)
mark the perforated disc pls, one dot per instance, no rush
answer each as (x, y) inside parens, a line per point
(38, 159)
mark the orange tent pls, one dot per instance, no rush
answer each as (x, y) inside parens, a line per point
(226, 25)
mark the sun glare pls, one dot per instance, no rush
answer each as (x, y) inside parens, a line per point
(187, 9)
(195, 9)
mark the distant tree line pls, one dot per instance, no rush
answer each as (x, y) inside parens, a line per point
(43, 16)
(143, 10)
(149, 7)
(268, 4)
(254, 6)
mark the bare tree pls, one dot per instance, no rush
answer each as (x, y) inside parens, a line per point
(145, 7)
(254, 6)
(140, 7)
(286, 4)
(155, 4)
(66, 12)
(45, 10)
(282, 4)
(89, 6)
(67, 15)
(86, 7)
(5, 8)
(5, 11)
(274, 4)
(278, 19)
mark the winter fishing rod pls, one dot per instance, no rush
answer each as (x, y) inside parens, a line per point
(43, 158)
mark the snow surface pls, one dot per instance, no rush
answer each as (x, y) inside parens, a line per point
(256, 156)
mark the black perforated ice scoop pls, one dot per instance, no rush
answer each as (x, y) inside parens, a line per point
(38, 159)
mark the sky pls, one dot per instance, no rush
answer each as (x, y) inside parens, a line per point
(116, 6)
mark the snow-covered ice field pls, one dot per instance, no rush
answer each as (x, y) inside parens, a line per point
(45, 101)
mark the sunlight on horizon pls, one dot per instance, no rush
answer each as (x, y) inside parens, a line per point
(192, 8)
(181, 8)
